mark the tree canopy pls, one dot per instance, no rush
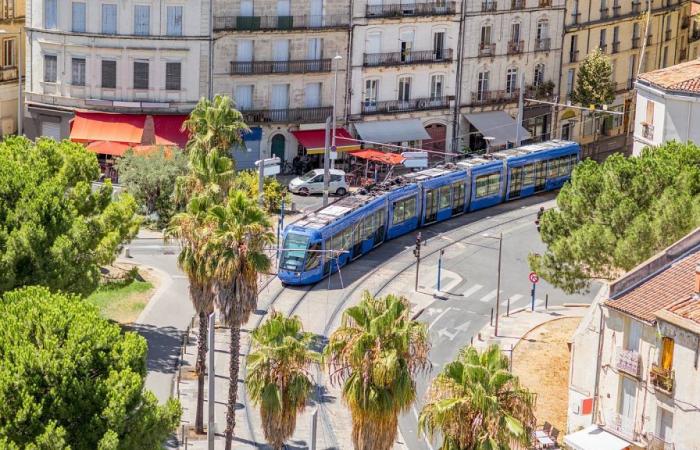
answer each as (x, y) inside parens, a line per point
(54, 229)
(71, 379)
(595, 83)
(150, 178)
(614, 215)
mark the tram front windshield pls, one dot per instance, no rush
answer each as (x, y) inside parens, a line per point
(294, 252)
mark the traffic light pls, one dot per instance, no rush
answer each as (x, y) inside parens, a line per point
(416, 251)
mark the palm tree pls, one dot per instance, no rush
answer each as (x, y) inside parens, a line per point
(214, 124)
(476, 403)
(376, 354)
(211, 174)
(241, 234)
(278, 375)
(192, 229)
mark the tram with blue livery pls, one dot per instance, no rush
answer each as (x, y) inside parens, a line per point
(321, 243)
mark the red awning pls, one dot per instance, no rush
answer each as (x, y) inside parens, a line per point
(108, 147)
(90, 126)
(315, 140)
(168, 130)
(148, 149)
(393, 159)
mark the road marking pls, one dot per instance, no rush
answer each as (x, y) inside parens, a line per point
(425, 438)
(464, 326)
(444, 332)
(513, 299)
(438, 318)
(433, 311)
(471, 290)
(488, 297)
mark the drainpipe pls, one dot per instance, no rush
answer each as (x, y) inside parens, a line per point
(599, 357)
(458, 81)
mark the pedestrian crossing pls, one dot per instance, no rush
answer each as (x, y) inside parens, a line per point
(472, 293)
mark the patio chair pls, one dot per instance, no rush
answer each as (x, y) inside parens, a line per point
(554, 434)
(546, 427)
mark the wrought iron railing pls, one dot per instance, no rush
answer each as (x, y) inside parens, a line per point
(494, 97)
(660, 378)
(407, 57)
(397, 106)
(8, 73)
(635, 42)
(265, 67)
(279, 23)
(515, 47)
(288, 115)
(573, 56)
(489, 6)
(604, 13)
(517, 4)
(543, 44)
(487, 49)
(438, 8)
(615, 47)
(657, 443)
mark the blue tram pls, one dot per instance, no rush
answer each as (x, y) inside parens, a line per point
(322, 242)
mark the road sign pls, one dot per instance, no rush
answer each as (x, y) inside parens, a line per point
(333, 154)
(271, 166)
(534, 278)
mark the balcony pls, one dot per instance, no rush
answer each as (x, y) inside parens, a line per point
(668, 35)
(661, 379)
(575, 17)
(620, 425)
(628, 361)
(407, 58)
(397, 10)
(486, 50)
(650, 39)
(270, 67)
(288, 115)
(573, 56)
(685, 23)
(648, 133)
(657, 443)
(400, 106)
(615, 47)
(636, 7)
(517, 4)
(635, 42)
(616, 10)
(489, 6)
(542, 91)
(494, 97)
(545, 3)
(8, 73)
(603, 48)
(543, 44)
(279, 23)
(604, 13)
(515, 47)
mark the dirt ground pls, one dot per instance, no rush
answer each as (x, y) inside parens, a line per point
(541, 360)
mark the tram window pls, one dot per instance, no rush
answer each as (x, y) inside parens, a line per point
(398, 212)
(552, 168)
(516, 180)
(487, 185)
(563, 166)
(410, 211)
(367, 228)
(458, 195)
(404, 210)
(347, 238)
(294, 251)
(379, 218)
(529, 175)
(313, 258)
(444, 197)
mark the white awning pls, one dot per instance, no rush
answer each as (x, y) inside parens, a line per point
(387, 131)
(594, 438)
(496, 124)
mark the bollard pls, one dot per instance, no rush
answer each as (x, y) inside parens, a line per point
(127, 252)
(314, 427)
(491, 321)
(508, 308)
(471, 341)
(546, 301)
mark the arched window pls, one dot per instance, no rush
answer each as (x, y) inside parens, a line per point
(482, 88)
(512, 80)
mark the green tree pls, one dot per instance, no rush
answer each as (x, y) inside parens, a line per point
(237, 250)
(215, 125)
(614, 215)
(71, 378)
(595, 85)
(56, 231)
(278, 377)
(273, 191)
(150, 178)
(476, 403)
(375, 354)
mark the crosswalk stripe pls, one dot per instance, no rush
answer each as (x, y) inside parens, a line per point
(488, 297)
(513, 299)
(471, 290)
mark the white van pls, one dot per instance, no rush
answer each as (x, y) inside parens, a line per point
(312, 183)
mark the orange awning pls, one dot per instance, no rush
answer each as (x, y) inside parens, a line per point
(90, 126)
(168, 130)
(393, 159)
(108, 148)
(315, 140)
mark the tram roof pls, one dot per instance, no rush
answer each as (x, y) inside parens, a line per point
(331, 213)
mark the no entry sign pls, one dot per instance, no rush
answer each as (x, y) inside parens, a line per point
(534, 278)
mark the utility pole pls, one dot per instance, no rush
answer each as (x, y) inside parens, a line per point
(498, 283)
(416, 253)
(212, 379)
(326, 162)
(521, 106)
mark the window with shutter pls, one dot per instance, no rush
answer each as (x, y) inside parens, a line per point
(140, 75)
(78, 17)
(50, 68)
(173, 74)
(50, 14)
(109, 18)
(174, 21)
(244, 97)
(142, 20)
(109, 74)
(8, 52)
(78, 70)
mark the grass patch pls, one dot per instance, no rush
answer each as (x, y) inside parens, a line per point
(123, 300)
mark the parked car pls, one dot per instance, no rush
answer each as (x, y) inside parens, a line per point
(312, 183)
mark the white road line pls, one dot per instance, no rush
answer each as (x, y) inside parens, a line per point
(488, 297)
(438, 318)
(425, 438)
(513, 299)
(471, 290)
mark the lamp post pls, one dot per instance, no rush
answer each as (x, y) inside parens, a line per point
(498, 278)
(337, 59)
(19, 78)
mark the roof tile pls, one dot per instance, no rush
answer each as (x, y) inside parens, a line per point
(684, 77)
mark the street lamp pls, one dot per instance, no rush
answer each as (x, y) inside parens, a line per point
(330, 137)
(19, 79)
(337, 59)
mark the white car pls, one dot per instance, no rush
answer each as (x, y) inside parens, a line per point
(312, 183)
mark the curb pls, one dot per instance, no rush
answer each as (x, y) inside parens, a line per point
(165, 282)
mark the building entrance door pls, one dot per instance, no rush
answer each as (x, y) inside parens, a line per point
(277, 147)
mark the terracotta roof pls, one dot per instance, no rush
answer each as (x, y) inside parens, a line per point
(688, 308)
(660, 291)
(684, 77)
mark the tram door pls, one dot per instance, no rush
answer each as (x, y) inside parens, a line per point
(516, 182)
(357, 239)
(431, 205)
(540, 175)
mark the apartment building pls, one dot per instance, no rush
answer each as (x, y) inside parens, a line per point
(634, 376)
(668, 106)
(504, 41)
(403, 69)
(11, 38)
(121, 72)
(694, 32)
(639, 36)
(279, 60)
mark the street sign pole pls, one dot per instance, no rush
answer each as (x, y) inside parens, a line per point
(442, 252)
(212, 379)
(498, 283)
(532, 303)
(534, 278)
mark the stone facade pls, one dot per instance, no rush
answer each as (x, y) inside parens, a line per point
(51, 97)
(12, 23)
